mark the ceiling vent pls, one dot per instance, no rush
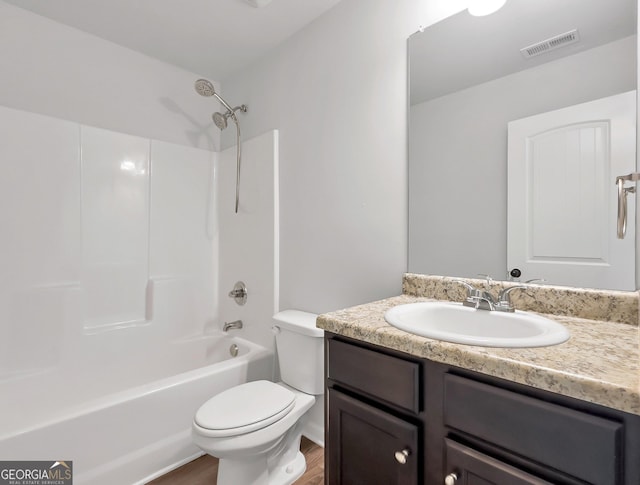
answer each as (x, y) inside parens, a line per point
(551, 44)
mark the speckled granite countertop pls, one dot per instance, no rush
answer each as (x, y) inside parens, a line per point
(600, 363)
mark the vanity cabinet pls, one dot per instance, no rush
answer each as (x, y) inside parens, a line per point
(373, 409)
(393, 418)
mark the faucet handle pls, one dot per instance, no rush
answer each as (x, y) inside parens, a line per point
(477, 298)
(471, 290)
(239, 293)
(504, 298)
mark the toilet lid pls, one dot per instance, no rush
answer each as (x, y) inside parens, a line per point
(245, 408)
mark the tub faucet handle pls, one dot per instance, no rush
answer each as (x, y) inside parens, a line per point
(239, 293)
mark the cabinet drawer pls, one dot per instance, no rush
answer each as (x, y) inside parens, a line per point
(579, 444)
(471, 466)
(381, 376)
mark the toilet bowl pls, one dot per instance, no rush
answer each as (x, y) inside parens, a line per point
(255, 428)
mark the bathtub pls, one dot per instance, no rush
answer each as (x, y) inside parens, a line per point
(132, 434)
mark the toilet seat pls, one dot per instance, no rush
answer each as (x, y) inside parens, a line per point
(244, 408)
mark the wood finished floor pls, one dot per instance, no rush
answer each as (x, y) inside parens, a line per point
(203, 471)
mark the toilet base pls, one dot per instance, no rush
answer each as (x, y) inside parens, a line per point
(249, 472)
(256, 472)
(282, 465)
(286, 475)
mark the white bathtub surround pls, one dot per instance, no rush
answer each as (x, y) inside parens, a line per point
(110, 248)
(40, 240)
(109, 293)
(184, 246)
(115, 183)
(249, 240)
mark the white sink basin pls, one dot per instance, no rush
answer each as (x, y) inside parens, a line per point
(456, 323)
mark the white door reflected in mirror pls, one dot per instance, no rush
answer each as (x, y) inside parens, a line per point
(562, 197)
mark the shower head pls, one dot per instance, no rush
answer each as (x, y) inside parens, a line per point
(220, 119)
(205, 88)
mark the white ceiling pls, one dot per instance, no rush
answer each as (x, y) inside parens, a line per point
(208, 37)
(462, 51)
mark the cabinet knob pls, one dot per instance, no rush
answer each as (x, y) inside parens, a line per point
(450, 479)
(401, 456)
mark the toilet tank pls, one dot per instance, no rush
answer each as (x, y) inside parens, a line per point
(300, 347)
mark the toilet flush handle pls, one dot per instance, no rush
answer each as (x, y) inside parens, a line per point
(275, 329)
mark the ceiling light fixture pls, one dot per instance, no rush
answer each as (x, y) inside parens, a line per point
(479, 8)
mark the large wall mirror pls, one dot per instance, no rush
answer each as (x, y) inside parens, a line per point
(488, 179)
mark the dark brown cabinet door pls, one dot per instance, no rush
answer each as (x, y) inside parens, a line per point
(369, 446)
(465, 466)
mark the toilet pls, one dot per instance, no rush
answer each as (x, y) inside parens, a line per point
(255, 428)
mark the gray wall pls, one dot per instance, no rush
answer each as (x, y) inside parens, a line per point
(337, 92)
(458, 156)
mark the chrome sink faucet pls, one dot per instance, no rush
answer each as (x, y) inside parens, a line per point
(476, 298)
(483, 300)
(504, 299)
